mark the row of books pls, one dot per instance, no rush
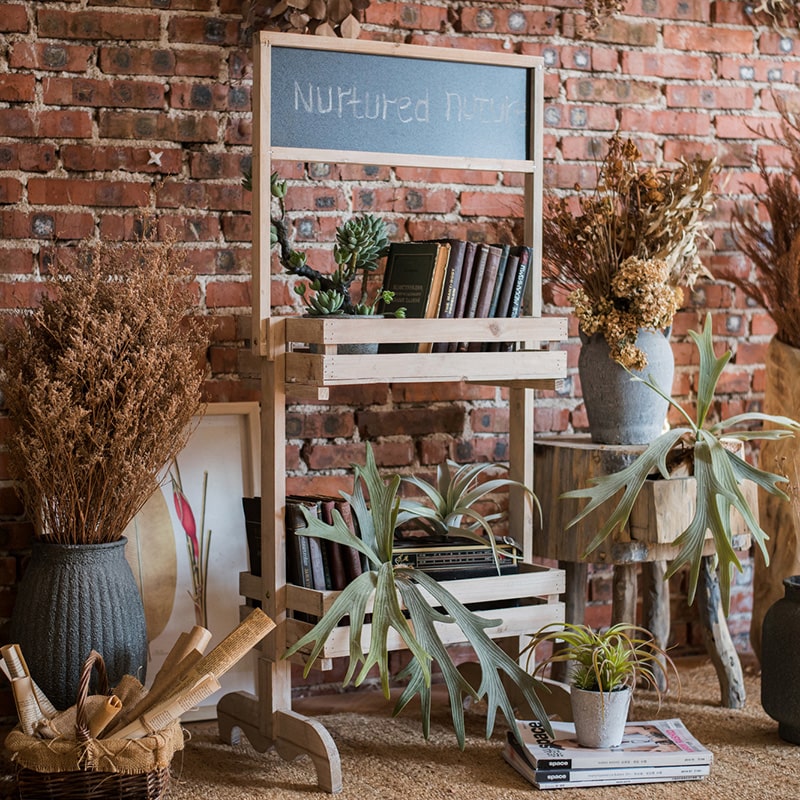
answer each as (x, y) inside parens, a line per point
(452, 278)
(654, 751)
(324, 565)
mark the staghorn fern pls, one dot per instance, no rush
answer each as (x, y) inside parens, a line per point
(452, 500)
(388, 586)
(717, 473)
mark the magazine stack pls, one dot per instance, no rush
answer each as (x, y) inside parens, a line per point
(651, 752)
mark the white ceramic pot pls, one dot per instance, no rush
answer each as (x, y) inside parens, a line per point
(600, 717)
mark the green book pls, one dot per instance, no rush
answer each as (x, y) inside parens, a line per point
(415, 273)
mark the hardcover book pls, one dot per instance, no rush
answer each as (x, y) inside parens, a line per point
(516, 756)
(663, 742)
(415, 273)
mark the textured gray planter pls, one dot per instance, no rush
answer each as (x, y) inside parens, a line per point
(600, 717)
(74, 599)
(620, 409)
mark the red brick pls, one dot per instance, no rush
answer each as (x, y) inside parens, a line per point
(203, 30)
(668, 123)
(58, 24)
(228, 294)
(57, 191)
(45, 225)
(607, 90)
(207, 97)
(343, 456)
(16, 261)
(491, 204)
(173, 5)
(410, 422)
(10, 190)
(147, 125)
(190, 227)
(507, 20)
(89, 158)
(320, 425)
(16, 88)
(675, 66)
(108, 94)
(52, 56)
(709, 39)
(713, 97)
(406, 15)
(13, 18)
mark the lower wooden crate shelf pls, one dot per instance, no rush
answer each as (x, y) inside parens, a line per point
(536, 586)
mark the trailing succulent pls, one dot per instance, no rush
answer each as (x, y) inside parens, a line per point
(388, 586)
(360, 244)
(717, 472)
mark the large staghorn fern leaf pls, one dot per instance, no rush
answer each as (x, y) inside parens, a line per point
(387, 586)
(717, 472)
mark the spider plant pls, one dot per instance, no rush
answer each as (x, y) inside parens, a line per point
(391, 588)
(452, 498)
(717, 471)
(604, 660)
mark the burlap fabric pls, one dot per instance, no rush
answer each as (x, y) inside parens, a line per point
(65, 753)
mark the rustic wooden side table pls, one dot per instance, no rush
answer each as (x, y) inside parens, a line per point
(662, 511)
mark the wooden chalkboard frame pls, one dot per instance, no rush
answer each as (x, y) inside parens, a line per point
(264, 152)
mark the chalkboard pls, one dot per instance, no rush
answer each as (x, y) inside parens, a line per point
(367, 102)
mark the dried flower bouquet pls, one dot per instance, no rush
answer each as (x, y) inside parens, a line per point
(633, 243)
(101, 382)
(773, 243)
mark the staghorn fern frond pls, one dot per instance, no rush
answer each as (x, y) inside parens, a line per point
(387, 585)
(717, 472)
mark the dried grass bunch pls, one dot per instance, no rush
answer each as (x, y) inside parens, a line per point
(633, 243)
(101, 382)
(773, 243)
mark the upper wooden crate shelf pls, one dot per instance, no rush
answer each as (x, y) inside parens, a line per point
(526, 366)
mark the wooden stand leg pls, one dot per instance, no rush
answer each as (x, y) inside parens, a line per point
(718, 638)
(623, 603)
(655, 608)
(576, 577)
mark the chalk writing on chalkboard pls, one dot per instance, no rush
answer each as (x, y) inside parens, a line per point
(373, 103)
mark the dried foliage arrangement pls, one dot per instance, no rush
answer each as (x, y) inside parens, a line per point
(633, 243)
(319, 17)
(782, 14)
(101, 382)
(773, 243)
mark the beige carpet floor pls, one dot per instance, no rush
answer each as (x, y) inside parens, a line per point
(387, 759)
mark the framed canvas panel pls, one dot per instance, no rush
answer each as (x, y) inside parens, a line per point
(223, 454)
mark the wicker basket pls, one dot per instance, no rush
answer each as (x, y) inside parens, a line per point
(84, 779)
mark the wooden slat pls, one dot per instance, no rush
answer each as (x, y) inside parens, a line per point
(327, 370)
(516, 621)
(330, 330)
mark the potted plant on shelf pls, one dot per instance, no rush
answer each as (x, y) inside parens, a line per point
(452, 501)
(623, 259)
(718, 470)
(388, 585)
(606, 666)
(768, 233)
(100, 382)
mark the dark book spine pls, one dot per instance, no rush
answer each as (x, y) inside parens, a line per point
(488, 282)
(298, 554)
(506, 291)
(470, 251)
(518, 294)
(352, 557)
(452, 284)
(498, 284)
(478, 269)
(333, 550)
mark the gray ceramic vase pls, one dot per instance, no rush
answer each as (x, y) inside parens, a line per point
(74, 599)
(780, 661)
(620, 409)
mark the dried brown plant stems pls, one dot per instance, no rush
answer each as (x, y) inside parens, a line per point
(772, 243)
(101, 382)
(631, 244)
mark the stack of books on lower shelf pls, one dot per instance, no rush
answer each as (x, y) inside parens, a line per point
(655, 751)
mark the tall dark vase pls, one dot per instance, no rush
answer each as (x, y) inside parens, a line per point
(620, 409)
(780, 661)
(74, 599)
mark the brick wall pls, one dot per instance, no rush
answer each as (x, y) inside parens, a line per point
(109, 108)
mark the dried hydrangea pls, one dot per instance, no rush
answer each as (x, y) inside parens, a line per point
(640, 298)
